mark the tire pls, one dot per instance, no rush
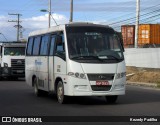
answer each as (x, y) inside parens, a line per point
(111, 99)
(62, 99)
(36, 90)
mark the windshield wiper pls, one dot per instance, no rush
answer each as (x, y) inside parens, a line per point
(87, 57)
(113, 57)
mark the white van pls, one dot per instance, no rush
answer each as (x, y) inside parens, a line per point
(12, 59)
(76, 59)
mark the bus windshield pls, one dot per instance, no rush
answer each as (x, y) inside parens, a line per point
(93, 43)
(14, 51)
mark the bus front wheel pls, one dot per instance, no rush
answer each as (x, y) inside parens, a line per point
(60, 93)
(111, 99)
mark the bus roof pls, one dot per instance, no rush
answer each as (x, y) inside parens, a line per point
(62, 27)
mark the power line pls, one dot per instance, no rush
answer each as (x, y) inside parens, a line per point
(133, 12)
(129, 19)
(142, 21)
(141, 16)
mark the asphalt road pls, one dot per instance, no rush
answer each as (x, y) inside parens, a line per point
(18, 99)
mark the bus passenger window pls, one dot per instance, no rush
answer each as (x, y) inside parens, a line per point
(44, 46)
(29, 48)
(36, 46)
(53, 38)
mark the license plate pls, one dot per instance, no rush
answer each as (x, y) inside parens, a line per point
(19, 71)
(103, 83)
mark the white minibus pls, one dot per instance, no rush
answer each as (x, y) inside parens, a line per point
(76, 59)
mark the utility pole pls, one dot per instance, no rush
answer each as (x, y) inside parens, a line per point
(18, 26)
(137, 23)
(71, 11)
(49, 13)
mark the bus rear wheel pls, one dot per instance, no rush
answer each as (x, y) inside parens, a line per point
(36, 90)
(111, 99)
(62, 99)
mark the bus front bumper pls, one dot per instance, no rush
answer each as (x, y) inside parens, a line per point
(112, 91)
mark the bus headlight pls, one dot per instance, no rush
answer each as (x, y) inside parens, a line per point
(5, 65)
(120, 75)
(77, 75)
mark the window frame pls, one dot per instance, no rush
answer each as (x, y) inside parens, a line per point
(55, 35)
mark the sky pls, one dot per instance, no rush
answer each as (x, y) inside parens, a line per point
(107, 12)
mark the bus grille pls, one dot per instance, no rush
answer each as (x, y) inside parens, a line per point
(18, 66)
(95, 77)
(100, 88)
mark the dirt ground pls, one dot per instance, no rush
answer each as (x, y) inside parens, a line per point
(145, 75)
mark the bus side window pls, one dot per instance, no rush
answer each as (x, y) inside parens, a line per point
(60, 43)
(53, 38)
(29, 46)
(36, 46)
(60, 49)
(44, 45)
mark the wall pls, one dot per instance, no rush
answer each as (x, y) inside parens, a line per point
(143, 57)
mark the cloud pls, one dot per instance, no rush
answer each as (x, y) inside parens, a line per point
(2, 17)
(29, 24)
(42, 21)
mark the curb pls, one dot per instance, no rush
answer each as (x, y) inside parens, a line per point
(153, 85)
